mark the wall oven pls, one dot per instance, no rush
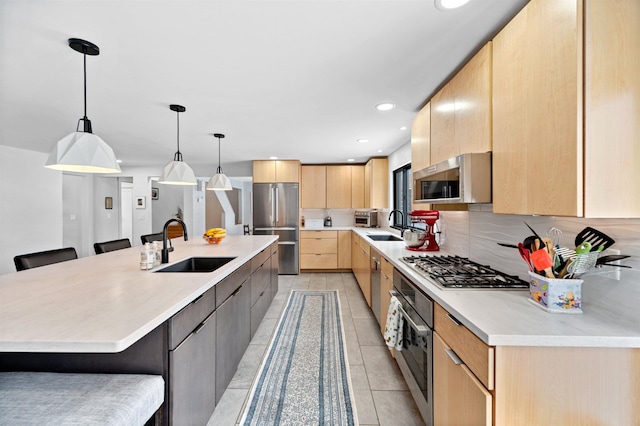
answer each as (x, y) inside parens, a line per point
(416, 357)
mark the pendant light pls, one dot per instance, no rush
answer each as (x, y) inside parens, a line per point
(219, 182)
(178, 172)
(83, 151)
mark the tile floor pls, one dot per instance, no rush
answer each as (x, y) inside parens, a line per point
(381, 394)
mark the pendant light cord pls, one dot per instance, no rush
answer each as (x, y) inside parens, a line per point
(178, 156)
(84, 55)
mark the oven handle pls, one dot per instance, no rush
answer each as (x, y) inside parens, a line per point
(421, 330)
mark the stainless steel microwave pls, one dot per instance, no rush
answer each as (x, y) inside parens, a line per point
(462, 179)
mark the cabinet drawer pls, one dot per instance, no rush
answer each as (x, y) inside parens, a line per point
(387, 269)
(259, 259)
(259, 309)
(318, 261)
(477, 355)
(319, 234)
(318, 246)
(185, 321)
(227, 286)
(260, 281)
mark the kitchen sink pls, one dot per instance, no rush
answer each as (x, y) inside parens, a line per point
(198, 264)
(384, 237)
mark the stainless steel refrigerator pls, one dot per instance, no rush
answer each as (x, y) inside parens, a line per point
(275, 212)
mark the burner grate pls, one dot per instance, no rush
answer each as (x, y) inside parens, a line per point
(454, 272)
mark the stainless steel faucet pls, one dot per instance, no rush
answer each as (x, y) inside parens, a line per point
(165, 250)
(401, 223)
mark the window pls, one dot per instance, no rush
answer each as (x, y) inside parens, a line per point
(402, 196)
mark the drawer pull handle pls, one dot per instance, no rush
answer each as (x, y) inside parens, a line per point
(453, 319)
(454, 357)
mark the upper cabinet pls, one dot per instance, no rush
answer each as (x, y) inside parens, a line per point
(345, 186)
(339, 187)
(566, 121)
(271, 171)
(376, 183)
(421, 143)
(461, 111)
(313, 188)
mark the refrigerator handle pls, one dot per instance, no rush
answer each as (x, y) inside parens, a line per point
(276, 203)
(273, 204)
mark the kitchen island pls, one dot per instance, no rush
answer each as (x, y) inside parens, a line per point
(536, 368)
(103, 314)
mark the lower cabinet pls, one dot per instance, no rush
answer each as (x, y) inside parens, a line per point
(233, 333)
(318, 250)
(260, 292)
(192, 372)
(458, 398)
(386, 285)
(463, 373)
(275, 266)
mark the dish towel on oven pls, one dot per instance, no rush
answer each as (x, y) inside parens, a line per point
(393, 327)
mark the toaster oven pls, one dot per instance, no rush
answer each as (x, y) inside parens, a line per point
(366, 219)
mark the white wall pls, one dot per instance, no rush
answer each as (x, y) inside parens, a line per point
(30, 205)
(106, 221)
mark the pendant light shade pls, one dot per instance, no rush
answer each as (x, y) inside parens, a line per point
(83, 151)
(219, 182)
(177, 172)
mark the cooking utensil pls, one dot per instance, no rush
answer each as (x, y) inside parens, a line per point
(508, 245)
(555, 235)
(525, 254)
(529, 242)
(542, 263)
(581, 263)
(536, 234)
(611, 258)
(595, 238)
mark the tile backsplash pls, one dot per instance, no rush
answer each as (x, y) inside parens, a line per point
(475, 234)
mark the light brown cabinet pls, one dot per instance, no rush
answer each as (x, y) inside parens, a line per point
(458, 397)
(376, 183)
(461, 111)
(565, 136)
(386, 285)
(463, 373)
(339, 186)
(344, 249)
(332, 186)
(360, 257)
(313, 189)
(421, 145)
(318, 249)
(357, 186)
(271, 171)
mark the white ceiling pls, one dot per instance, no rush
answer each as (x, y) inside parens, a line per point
(296, 79)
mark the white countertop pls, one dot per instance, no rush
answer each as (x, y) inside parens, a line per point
(105, 303)
(611, 315)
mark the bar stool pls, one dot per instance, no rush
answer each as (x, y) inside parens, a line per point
(149, 238)
(111, 245)
(42, 258)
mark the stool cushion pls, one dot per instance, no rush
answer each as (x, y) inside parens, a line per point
(29, 398)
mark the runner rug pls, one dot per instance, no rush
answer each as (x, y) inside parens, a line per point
(304, 377)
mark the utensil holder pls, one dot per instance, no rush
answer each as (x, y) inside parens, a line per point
(555, 295)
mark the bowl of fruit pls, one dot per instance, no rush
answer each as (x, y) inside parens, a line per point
(214, 235)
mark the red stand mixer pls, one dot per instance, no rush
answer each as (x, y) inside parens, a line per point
(429, 218)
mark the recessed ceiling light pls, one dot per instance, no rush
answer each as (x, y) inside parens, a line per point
(362, 140)
(118, 161)
(273, 158)
(403, 128)
(351, 160)
(379, 150)
(450, 4)
(386, 106)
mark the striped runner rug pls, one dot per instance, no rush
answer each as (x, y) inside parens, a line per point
(304, 377)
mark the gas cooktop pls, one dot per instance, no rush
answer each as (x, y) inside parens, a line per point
(460, 273)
